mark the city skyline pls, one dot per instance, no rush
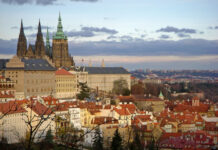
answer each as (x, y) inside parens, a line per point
(156, 35)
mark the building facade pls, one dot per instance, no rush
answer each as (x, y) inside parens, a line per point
(102, 78)
(66, 84)
(32, 77)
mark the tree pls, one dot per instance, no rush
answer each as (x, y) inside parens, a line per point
(121, 87)
(136, 144)
(84, 91)
(98, 140)
(152, 145)
(47, 143)
(38, 121)
(117, 141)
(49, 137)
(138, 89)
(126, 92)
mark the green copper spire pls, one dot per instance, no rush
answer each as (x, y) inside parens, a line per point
(60, 33)
(47, 43)
(161, 95)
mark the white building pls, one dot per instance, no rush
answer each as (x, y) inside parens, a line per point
(75, 119)
(12, 122)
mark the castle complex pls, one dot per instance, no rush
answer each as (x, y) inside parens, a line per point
(58, 53)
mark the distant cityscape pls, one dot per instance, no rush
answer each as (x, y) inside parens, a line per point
(178, 75)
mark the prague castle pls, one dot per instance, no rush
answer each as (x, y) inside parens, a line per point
(58, 53)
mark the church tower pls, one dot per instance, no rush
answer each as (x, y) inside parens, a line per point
(22, 43)
(40, 47)
(48, 47)
(60, 54)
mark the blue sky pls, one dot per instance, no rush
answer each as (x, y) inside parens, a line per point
(176, 34)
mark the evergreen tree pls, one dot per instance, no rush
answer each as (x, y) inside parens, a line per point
(49, 137)
(151, 145)
(84, 91)
(117, 141)
(47, 143)
(98, 140)
(136, 144)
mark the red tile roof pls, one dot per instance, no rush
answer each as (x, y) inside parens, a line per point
(62, 72)
(11, 108)
(130, 107)
(193, 140)
(49, 100)
(39, 108)
(122, 111)
(104, 120)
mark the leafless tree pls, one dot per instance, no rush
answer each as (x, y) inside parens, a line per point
(37, 115)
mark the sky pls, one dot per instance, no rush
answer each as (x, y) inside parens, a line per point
(135, 34)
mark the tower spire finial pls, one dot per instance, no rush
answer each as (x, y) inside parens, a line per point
(59, 16)
(21, 26)
(39, 27)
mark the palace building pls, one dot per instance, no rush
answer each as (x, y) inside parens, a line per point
(58, 53)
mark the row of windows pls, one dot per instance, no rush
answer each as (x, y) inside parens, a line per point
(40, 90)
(39, 81)
(66, 85)
(65, 90)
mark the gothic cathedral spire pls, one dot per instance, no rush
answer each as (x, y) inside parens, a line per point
(22, 43)
(40, 47)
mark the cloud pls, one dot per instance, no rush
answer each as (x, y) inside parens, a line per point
(5, 56)
(145, 59)
(80, 33)
(8, 46)
(186, 47)
(45, 2)
(18, 2)
(100, 30)
(206, 62)
(22, 2)
(90, 32)
(84, 0)
(187, 53)
(177, 30)
(182, 35)
(164, 36)
(213, 28)
(39, 2)
(32, 27)
(135, 47)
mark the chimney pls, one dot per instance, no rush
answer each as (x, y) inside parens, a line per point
(102, 63)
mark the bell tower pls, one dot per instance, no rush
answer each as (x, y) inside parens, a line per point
(60, 54)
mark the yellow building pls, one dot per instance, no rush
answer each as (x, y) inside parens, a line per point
(102, 78)
(66, 84)
(32, 77)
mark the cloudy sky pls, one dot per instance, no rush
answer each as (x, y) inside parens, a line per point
(155, 34)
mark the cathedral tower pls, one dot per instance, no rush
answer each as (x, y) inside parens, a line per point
(40, 47)
(60, 54)
(22, 43)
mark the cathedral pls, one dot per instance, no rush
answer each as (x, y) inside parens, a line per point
(58, 53)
